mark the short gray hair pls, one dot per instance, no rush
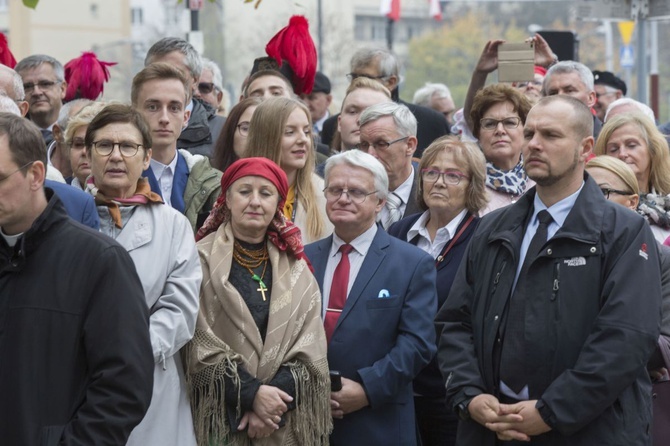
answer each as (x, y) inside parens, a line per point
(64, 115)
(169, 44)
(357, 158)
(217, 78)
(36, 60)
(569, 66)
(425, 94)
(387, 61)
(404, 120)
(7, 105)
(644, 108)
(17, 84)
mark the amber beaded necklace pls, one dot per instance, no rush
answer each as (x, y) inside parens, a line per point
(251, 259)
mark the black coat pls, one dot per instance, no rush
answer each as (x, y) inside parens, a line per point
(77, 363)
(591, 325)
(203, 130)
(429, 382)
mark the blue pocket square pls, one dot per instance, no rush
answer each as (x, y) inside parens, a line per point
(383, 294)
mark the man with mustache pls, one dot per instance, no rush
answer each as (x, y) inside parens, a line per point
(555, 309)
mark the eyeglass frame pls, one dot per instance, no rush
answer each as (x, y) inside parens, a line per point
(210, 86)
(606, 191)
(345, 190)
(526, 83)
(45, 85)
(374, 145)
(443, 175)
(2, 180)
(352, 76)
(239, 128)
(499, 121)
(114, 145)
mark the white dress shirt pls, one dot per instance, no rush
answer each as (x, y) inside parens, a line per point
(165, 176)
(403, 191)
(442, 236)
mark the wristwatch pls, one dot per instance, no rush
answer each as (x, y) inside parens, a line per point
(462, 409)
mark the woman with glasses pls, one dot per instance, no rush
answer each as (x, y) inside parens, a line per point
(160, 241)
(635, 140)
(74, 141)
(451, 194)
(498, 114)
(619, 184)
(256, 366)
(281, 130)
(232, 142)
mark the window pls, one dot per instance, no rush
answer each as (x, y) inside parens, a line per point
(136, 16)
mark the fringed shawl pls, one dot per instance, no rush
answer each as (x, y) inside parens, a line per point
(226, 335)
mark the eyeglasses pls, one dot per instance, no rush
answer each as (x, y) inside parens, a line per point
(355, 195)
(17, 170)
(352, 76)
(525, 84)
(77, 144)
(451, 177)
(243, 128)
(490, 124)
(379, 146)
(105, 147)
(43, 85)
(607, 191)
(206, 87)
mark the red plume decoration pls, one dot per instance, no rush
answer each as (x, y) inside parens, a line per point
(6, 56)
(86, 76)
(295, 46)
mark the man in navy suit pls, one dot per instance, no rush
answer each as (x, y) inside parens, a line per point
(379, 315)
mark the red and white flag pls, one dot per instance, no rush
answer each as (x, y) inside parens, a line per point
(435, 9)
(390, 9)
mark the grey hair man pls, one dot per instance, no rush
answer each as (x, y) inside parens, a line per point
(204, 125)
(572, 79)
(382, 65)
(82, 343)
(625, 105)
(438, 97)
(210, 85)
(44, 86)
(388, 132)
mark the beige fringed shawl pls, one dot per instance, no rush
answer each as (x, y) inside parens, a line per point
(226, 334)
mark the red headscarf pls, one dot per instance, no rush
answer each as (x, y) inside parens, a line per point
(282, 232)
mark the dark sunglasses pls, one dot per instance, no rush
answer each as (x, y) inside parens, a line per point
(205, 87)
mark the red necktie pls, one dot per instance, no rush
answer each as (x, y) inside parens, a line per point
(338, 292)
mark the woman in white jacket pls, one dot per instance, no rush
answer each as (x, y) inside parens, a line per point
(160, 241)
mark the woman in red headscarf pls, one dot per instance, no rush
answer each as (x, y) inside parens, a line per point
(256, 366)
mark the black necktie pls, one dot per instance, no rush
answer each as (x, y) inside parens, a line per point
(513, 355)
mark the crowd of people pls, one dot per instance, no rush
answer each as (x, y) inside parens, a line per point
(392, 273)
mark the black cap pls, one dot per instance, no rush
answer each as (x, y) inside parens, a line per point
(321, 83)
(269, 64)
(609, 79)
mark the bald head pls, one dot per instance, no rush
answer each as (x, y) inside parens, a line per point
(581, 120)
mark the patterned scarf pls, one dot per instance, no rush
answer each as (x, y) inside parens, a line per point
(655, 209)
(143, 195)
(511, 182)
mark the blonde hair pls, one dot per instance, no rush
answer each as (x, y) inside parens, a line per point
(468, 156)
(82, 119)
(266, 130)
(659, 172)
(618, 168)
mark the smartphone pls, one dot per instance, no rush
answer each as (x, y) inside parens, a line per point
(335, 381)
(516, 62)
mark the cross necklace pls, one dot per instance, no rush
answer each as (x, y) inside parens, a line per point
(254, 260)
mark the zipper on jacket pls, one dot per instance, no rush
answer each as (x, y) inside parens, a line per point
(557, 277)
(497, 279)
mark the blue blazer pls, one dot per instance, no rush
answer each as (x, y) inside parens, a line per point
(78, 204)
(429, 382)
(382, 342)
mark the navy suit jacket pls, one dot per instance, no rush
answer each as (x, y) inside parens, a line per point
(78, 204)
(430, 382)
(382, 342)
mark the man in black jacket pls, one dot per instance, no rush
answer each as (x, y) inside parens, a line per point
(382, 65)
(77, 363)
(555, 309)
